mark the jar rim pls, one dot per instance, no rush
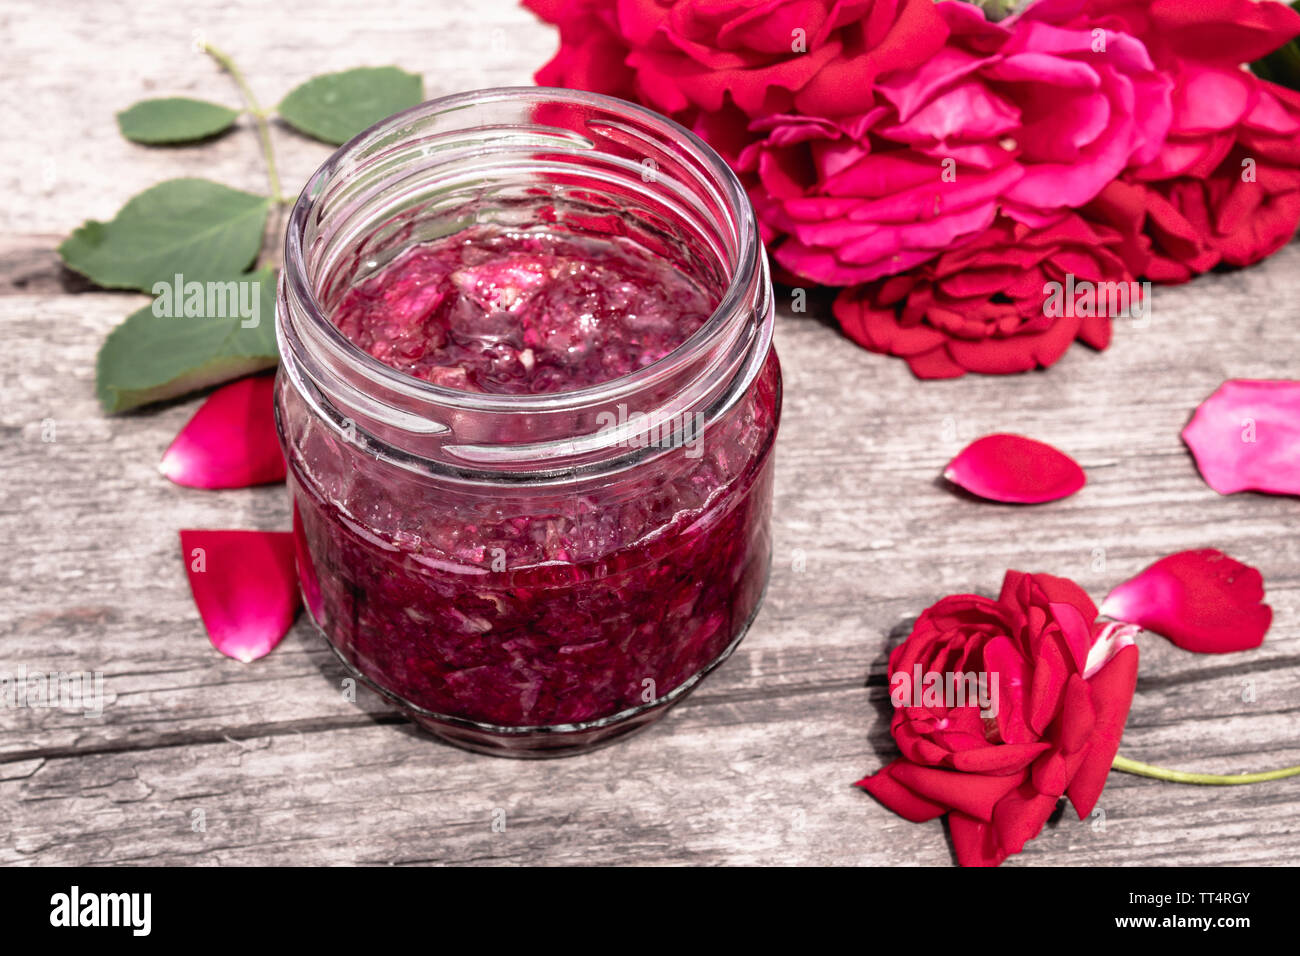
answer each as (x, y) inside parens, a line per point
(749, 264)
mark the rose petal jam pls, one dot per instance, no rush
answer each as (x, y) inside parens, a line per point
(528, 401)
(490, 310)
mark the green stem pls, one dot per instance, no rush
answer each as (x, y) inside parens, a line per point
(259, 116)
(1125, 765)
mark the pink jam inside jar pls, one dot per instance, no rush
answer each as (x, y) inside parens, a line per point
(498, 310)
(531, 453)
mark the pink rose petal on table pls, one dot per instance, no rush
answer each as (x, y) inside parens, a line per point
(231, 441)
(1015, 469)
(1201, 600)
(245, 587)
(1246, 437)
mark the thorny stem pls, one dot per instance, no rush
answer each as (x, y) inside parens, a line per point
(1125, 765)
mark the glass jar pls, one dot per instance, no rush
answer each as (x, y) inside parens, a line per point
(529, 574)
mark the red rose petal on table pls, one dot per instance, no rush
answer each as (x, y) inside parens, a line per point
(1202, 600)
(1246, 437)
(245, 588)
(231, 441)
(1015, 469)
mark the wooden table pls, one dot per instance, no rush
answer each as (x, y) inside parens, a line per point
(756, 766)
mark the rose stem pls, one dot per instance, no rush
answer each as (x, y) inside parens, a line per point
(1125, 765)
(259, 116)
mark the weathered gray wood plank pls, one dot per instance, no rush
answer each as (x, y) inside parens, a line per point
(756, 766)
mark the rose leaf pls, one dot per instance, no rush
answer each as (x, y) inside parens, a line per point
(191, 227)
(337, 106)
(151, 357)
(174, 120)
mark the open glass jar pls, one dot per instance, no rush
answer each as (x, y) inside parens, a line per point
(533, 572)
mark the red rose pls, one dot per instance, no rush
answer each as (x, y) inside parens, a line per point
(817, 56)
(591, 50)
(1227, 32)
(712, 65)
(1236, 203)
(1226, 186)
(983, 307)
(1051, 728)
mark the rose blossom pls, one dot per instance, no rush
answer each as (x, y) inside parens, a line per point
(818, 57)
(925, 128)
(1226, 185)
(1025, 116)
(981, 307)
(1064, 683)
(591, 51)
(714, 65)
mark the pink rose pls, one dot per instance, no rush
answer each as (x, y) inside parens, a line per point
(1091, 103)
(972, 161)
(851, 214)
(1025, 116)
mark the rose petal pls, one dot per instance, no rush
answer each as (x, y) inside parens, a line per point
(1012, 468)
(1078, 718)
(1202, 600)
(245, 588)
(1005, 664)
(1112, 695)
(1019, 817)
(1076, 631)
(231, 441)
(1049, 680)
(1246, 437)
(973, 794)
(1004, 758)
(975, 841)
(886, 788)
(1112, 638)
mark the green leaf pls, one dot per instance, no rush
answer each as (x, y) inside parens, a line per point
(337, 106)
(194, 227)
(152, 357)
(174, 120)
